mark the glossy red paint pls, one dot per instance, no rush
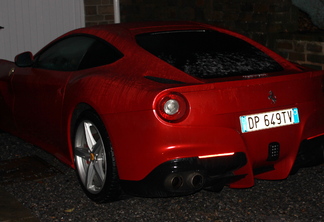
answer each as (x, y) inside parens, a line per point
(38, 105)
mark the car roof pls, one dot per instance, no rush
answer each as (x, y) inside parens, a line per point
(131, 29)
(138, 28)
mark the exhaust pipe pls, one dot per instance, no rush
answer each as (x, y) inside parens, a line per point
(195, 180)
(189, 181)
(173, 182)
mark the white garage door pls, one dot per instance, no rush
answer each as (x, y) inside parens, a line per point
(30, 24)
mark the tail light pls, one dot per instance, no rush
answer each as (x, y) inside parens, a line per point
(171, 107)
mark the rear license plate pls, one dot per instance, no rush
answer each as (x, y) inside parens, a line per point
(269, 120)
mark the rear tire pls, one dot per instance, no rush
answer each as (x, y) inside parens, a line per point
(94, 159)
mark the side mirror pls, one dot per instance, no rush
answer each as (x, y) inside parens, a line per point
(24, 59)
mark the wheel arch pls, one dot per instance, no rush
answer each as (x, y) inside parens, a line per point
(71, 124)
(78, 110)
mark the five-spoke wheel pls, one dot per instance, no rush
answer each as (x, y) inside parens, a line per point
(94, 159)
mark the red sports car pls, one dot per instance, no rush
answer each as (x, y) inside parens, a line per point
(164, 109)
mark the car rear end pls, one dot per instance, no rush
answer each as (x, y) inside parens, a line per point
(254, 115)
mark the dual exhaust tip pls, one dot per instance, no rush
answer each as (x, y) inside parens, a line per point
(188, 181)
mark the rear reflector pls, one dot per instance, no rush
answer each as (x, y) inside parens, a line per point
(216, 155)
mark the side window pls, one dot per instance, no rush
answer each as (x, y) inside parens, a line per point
(99, 53)
(64, 55)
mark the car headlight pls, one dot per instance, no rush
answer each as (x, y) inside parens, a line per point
(171, 107)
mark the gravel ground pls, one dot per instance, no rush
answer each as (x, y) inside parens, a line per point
(60, 198)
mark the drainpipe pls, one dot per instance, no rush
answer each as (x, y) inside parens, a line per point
(116, 11)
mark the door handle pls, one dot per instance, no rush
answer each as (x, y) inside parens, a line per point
(1, 27)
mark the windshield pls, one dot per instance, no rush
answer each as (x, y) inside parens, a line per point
(207, 54)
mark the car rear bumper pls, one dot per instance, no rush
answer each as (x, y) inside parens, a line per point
(185, 176)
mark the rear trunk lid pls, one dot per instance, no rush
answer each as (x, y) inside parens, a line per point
(255, 95)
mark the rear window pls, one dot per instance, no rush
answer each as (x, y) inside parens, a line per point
(207, 54)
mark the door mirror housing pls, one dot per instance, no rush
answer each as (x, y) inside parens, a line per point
(24, 59)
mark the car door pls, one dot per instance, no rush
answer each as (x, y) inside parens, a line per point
(39, 90)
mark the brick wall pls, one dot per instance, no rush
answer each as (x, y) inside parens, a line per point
(98, 12)
(305, 49)
(253, 18)
(149, 10)
(256, 19)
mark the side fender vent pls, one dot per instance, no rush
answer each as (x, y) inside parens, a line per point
(163, 80)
